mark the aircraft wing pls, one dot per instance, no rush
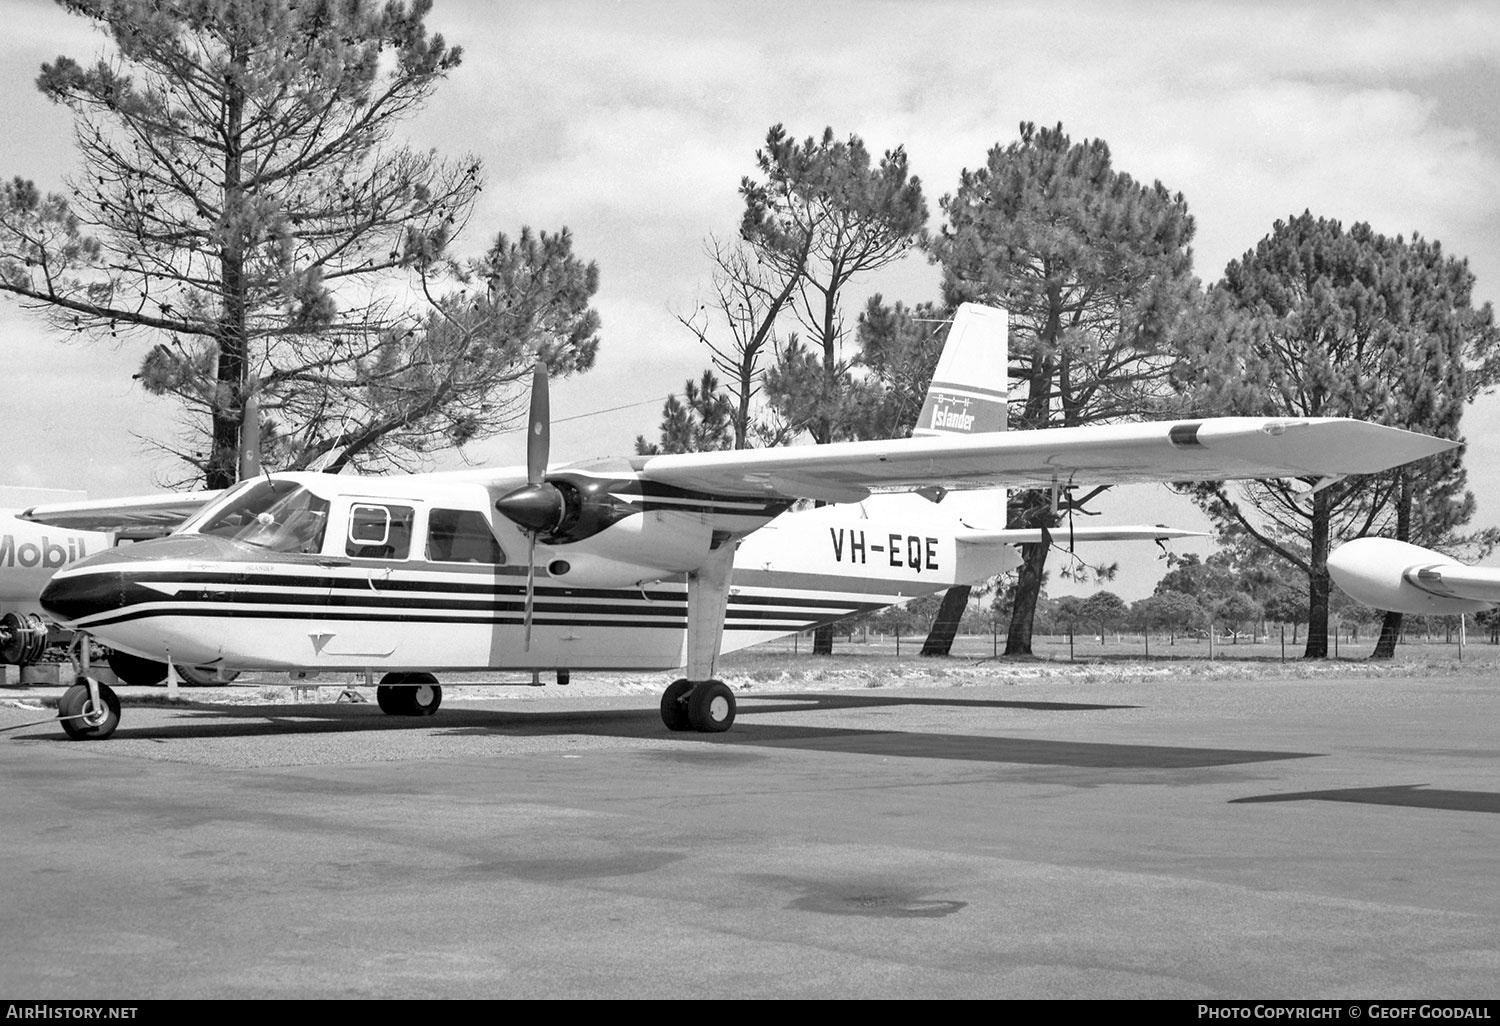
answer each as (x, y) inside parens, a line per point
(136, 516)
(1222, 448)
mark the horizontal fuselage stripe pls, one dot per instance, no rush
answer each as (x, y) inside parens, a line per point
(227, 582)
(678, 621)
(439, 610)
(233, 598)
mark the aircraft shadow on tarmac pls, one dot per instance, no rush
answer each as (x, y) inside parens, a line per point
(231, 721)
(1409, 795)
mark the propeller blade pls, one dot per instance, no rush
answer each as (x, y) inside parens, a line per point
(530, 588)
(539, 431)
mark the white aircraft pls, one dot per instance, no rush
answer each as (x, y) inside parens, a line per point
(1403, 578)
(29, 554)
(641, 563)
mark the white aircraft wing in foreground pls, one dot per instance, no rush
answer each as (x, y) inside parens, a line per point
(1221, 448)
(1399, 577)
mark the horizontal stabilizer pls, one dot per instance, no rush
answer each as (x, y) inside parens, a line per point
(1090, 533)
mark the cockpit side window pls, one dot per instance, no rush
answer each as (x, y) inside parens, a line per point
(378, 531)
(461, 536)
(274, 515)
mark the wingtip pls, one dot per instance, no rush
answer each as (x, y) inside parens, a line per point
(1341, 446)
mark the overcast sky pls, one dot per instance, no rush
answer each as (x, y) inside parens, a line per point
(632, 123)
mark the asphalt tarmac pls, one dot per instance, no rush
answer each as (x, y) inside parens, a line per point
(1285, 839)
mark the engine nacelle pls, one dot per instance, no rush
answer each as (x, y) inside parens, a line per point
(1387, 574)
(643, 547)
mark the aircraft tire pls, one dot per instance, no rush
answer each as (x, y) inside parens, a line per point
(202, 676)
(143, 673)
(710, 707)
(75, 702)
(134, 670)
(409, 694)
(674, 712)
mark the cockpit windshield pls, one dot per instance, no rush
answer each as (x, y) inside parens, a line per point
(277, 515)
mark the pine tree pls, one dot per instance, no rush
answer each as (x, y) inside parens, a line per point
(823, 206)
(1319, 321)
(1096, 272)
(242, 203)
(699, 422)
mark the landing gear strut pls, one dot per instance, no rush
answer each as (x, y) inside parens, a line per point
(409, 694)
(706, 706)
(698, 702)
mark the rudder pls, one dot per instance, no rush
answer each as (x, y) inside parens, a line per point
(971, 384)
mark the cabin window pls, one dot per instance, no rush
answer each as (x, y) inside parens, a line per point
(379, 531)
(461, 536)
(275, 515)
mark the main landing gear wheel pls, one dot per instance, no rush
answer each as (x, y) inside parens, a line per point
(203, 676)
(85, 720)
(138, 672)
(706, 706)
(134, 670)
(711, 707)
(674, 712)
(409, 694)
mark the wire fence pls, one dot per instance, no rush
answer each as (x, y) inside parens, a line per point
(1277, 646)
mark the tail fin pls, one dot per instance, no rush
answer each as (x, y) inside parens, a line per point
(969, 388)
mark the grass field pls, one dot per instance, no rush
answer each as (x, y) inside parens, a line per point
(877, 660)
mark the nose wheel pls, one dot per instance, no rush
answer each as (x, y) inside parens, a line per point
(89, 711)
(706, 706)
